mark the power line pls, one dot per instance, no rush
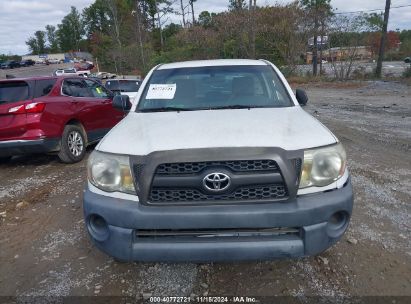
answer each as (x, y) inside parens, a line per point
(371, 10)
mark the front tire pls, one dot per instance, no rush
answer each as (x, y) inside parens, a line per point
(73, 145)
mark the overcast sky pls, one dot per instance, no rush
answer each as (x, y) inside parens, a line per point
(21, 18)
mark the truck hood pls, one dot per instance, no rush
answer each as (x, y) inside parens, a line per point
(287, 128)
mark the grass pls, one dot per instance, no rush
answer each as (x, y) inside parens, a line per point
(321, 81)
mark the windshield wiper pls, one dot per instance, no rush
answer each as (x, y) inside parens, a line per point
(236, 107)
(170, 109)
(166, 109)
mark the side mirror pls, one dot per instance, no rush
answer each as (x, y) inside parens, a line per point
(122, 103)
(301, 97)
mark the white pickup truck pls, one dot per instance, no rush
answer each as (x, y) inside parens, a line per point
(217, 160)
(70, 72)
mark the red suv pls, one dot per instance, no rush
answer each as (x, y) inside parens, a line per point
(54, 114)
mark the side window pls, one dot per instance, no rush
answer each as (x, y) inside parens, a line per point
(75, 88)
(43, 87)
(97, 90)
(65, 88)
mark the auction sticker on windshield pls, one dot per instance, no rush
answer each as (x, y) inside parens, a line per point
(161, 91)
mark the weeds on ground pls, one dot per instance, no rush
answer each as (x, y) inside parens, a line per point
(322, 81)
(307, 79)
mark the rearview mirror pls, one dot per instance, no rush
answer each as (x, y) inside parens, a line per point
(122, 103)
(301, 97)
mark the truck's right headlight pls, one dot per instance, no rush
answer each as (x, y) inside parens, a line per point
(323, 166)
(110, 172)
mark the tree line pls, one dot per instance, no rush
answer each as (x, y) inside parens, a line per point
(133, 35)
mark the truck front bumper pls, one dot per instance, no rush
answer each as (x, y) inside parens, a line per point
(130, 231)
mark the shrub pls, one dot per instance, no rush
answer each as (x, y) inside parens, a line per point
(407, 73)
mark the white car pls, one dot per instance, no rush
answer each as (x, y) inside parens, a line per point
(124, 86)
(105, 75)
(216, 161)
(70, 72)
(53, 61)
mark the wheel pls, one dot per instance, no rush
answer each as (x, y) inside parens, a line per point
(73, 144)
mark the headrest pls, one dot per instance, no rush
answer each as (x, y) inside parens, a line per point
(243, 86)
(185, 88)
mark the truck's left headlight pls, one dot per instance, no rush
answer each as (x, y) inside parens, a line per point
(323, 166)
(110, 172)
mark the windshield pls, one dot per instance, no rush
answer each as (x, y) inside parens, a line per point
(216, 87)
(123, 85)
(13, 91)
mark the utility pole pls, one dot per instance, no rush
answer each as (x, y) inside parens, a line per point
(378, 70)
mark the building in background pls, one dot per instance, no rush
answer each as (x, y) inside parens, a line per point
(342, 53)
(60, 57)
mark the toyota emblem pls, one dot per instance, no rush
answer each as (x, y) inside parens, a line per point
(216, 182)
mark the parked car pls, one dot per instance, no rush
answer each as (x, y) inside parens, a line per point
(26, 63)
(61, 72)
(10, 64)
(215, 161)
(51, 114)
(84, 66)
(70, 72)
(124, 86)
(53, 61)
(104, 75)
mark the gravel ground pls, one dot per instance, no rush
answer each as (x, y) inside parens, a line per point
(36, 70)
(45, 251)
